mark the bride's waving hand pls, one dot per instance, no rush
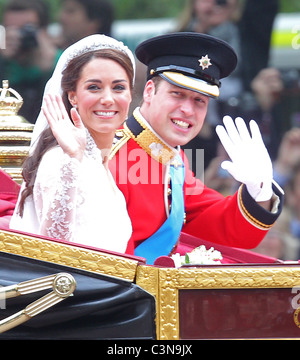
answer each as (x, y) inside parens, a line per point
(70, 135)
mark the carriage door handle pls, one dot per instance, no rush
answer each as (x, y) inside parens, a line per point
(62, 284)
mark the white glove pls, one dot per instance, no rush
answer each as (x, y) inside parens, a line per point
(250, 162)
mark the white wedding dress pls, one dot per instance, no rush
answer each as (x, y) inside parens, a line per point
(76, 201)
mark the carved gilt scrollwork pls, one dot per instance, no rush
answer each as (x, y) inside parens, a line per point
(69, 255)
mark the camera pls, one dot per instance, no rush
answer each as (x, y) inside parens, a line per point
(28, 38)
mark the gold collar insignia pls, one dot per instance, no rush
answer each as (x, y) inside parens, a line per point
(141, 132)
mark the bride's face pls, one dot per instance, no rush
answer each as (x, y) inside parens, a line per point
(102, 95)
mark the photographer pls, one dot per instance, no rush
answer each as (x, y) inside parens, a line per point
(29, 56)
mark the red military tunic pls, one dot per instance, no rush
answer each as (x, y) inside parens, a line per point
(142, 175)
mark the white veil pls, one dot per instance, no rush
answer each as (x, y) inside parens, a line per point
(53, 86)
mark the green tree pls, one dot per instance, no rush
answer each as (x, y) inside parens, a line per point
(140, 9)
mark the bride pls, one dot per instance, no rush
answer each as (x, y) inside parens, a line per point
(68, 191)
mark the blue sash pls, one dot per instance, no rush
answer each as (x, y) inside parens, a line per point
(165, 238)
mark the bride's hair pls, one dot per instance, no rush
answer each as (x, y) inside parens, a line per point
(70, 77)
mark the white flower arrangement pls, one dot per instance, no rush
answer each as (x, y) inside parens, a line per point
(198, 256)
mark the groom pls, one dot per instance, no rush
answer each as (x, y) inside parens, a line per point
(163, 196)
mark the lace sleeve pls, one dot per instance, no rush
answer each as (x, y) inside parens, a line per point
(56, 194)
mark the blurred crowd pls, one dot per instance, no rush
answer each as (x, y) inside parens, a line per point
(254, 91)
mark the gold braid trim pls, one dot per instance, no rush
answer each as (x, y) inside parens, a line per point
(124, 137)
(248, 216)
(150, 142)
